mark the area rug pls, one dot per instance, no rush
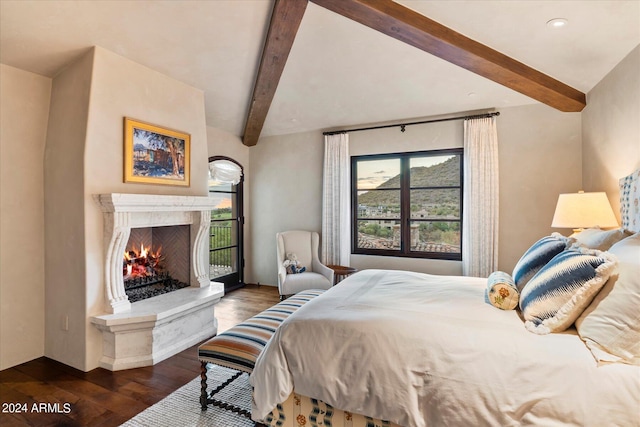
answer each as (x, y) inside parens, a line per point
(182, 407)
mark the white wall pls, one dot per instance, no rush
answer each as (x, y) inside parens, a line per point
(539, 158)
(611, 129)
(24, 110)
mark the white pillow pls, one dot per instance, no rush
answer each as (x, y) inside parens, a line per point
(602, 240)
(610, 326)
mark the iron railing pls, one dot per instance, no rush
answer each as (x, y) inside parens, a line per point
(221, 247)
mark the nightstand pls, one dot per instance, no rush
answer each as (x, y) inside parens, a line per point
(340, 272)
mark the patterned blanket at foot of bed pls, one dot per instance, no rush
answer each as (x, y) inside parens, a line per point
(303, 411)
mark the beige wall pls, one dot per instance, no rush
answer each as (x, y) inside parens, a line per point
(64, 214)
(222, 143)
(542, 153)
(24, 110)
(432, 136)
(611, 129)
(85, 146)
(286, 194)
(539, 158)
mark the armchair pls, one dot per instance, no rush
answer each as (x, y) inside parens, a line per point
(305, 245)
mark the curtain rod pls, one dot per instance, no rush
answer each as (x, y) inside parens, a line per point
(402, 125)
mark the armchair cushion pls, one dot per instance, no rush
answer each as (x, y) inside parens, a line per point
(295, 283)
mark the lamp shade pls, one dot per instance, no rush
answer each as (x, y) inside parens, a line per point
(583, 210)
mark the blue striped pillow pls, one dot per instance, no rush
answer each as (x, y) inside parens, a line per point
(537, 256)
(554, 298)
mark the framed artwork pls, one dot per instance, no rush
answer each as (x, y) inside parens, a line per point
(156, 155)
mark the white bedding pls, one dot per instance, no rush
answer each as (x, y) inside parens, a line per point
(423, 350)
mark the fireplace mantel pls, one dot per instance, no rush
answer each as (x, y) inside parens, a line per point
(127, 202)
(123, 211)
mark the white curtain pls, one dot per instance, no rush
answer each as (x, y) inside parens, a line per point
(480, 218)
(336, 246)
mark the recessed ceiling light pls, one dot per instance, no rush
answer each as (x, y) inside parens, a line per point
(557, 23)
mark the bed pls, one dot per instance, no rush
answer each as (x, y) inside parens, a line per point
(421, 350)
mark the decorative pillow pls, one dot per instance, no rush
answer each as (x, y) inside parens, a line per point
(630, 201)
(611, 324)
(555, 297)
(537, 256)
(594, 238)
(501, 291)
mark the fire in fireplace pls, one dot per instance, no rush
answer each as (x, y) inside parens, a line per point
(145, 275)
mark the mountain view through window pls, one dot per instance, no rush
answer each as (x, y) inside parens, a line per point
(408, 204)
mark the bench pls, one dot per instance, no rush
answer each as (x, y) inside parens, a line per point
(239, 347)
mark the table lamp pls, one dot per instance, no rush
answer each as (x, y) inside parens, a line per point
(583, 210)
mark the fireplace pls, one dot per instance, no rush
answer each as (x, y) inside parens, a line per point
(125, 213)
(156, 261)
(165, 239)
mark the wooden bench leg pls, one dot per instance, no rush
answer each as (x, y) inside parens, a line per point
(203, 385)
(208, 398)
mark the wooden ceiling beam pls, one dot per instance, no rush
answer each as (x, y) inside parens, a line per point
(406, 25)
(284, 24)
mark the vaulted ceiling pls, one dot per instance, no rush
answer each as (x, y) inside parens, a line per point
(338, 72)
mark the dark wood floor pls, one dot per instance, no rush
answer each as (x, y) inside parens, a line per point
(101, 398)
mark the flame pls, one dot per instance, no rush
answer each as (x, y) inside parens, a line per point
(141, 263)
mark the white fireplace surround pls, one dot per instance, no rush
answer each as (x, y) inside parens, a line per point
(122, 212)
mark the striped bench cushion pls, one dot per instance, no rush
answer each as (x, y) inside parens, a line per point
(239, 347)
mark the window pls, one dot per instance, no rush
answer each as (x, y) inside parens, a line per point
(408, 204)
(225, 238)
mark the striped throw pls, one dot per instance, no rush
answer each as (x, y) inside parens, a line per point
(537, 256)
(239, 347)
(554, 298)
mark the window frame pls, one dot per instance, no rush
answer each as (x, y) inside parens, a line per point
(405, 205)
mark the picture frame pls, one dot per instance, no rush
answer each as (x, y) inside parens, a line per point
(156, 155)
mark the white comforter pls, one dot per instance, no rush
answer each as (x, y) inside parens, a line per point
(423, 350)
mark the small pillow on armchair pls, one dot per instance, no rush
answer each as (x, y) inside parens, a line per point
(554, 298)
